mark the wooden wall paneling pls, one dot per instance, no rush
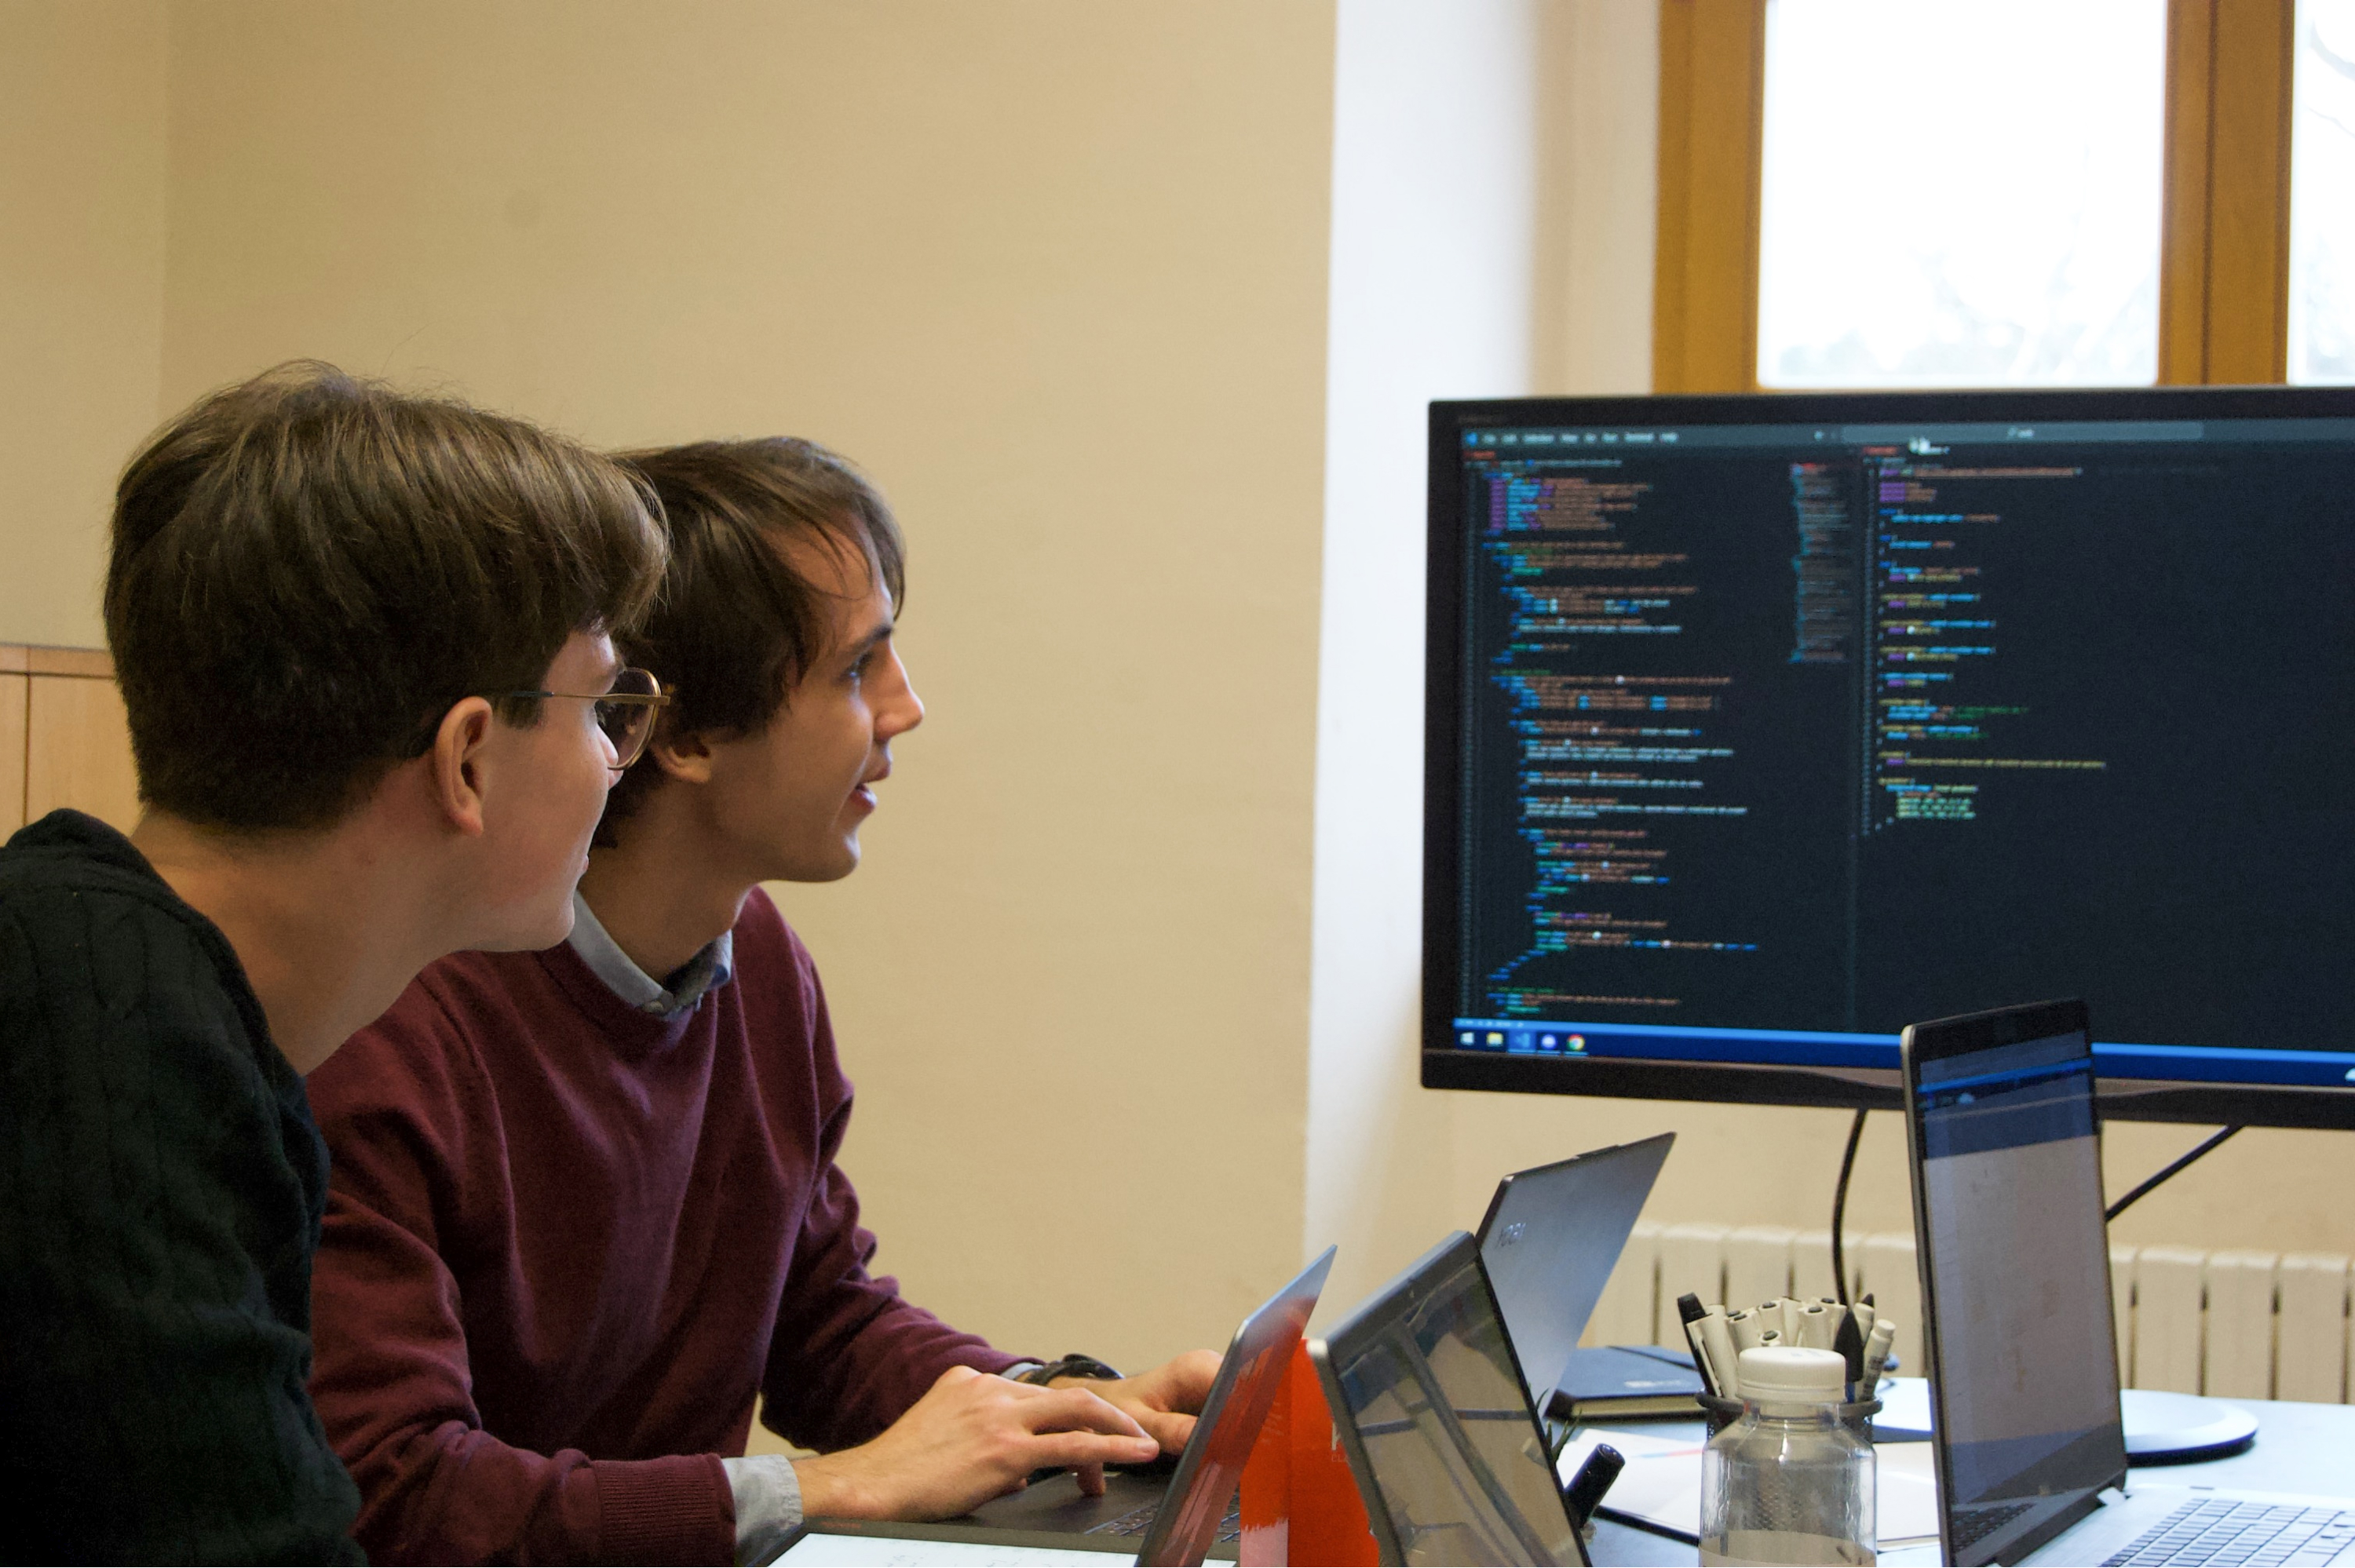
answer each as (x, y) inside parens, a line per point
(13, 701)
(1705, 266)
(78, 744)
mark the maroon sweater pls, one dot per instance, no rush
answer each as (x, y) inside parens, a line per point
(567, 1243)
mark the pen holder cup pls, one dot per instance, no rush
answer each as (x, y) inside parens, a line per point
(1856, 1416)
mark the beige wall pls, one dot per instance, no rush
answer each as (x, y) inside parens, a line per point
(82, 292)
(1054, 273)
(1057, 274)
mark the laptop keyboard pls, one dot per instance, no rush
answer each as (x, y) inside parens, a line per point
(1976, 1524)
(1138, 1521)
(2230, 1534)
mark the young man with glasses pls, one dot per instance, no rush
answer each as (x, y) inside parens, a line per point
(349, 628)
(586, 1206)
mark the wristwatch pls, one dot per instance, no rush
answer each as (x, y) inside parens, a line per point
(1069, 1366)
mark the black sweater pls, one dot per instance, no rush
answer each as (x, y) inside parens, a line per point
(161, 1187)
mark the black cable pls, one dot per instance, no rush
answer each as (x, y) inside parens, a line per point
(1839, 1207)
(2120, 1207)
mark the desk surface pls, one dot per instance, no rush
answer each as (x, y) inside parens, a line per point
(2299, 1448)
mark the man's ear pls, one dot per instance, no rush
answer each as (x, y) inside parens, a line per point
(686, 757)
(456, 761)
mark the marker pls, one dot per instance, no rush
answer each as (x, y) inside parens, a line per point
(1850, 1343)
(1723, 1356)
(1876, 1354)
(1745, 1327)
(1690, 1309)
(1816, 1329)
(1585, 1493)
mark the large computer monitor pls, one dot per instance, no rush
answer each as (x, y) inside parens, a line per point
(1762, 726)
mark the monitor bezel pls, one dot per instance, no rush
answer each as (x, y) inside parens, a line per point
(1443, 1066)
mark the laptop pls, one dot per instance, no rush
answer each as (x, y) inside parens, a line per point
(1432, 1411)
(1550, 1240)
(2018, 1339)
(1180, 1522)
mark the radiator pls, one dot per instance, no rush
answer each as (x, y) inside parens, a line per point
(2246, 1324)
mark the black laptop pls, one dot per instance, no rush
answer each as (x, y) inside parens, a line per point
(1430, 1404)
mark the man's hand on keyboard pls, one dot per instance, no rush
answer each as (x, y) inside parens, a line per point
(972, 1438)
(1164, 1401)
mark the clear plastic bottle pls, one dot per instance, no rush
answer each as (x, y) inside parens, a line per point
(1788, 1481)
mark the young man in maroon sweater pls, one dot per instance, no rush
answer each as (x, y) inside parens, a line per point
(585, 1205)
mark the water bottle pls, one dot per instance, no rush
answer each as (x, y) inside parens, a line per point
(1788, 1481)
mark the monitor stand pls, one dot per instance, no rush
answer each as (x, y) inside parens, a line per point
(2176, 1428)
(2161, 1428)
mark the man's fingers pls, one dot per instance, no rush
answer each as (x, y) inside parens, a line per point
(1076, 1409)
(1091, 1479)
(1074, 1450)
(1172, 1431)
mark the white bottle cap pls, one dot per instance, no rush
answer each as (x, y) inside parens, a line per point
(1785, 1376)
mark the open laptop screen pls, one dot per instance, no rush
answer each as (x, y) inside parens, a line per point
(2008, 1187)
(1432, 1408)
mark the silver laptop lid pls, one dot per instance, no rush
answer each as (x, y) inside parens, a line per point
(1550, 1240)
(1212, 1468)
(2017, 1329)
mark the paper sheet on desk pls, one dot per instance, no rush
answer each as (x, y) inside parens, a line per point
(1661, 1485)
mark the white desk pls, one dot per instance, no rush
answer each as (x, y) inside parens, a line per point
(2299, 1448)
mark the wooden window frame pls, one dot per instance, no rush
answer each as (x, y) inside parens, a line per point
(2223, 276)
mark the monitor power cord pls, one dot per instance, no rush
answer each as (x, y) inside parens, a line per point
(1840, 1206)
(2120, 1207)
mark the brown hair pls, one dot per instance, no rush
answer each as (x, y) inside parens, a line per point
(309, 570)
(734, 625)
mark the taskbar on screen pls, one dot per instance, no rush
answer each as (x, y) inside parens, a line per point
(1573, 1041)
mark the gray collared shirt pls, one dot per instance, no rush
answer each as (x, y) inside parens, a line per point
(708, 971)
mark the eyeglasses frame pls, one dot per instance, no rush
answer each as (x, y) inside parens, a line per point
(657, 699)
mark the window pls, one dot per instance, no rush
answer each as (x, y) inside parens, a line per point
(2322, 194)
(1865, 193)
(1962, 196)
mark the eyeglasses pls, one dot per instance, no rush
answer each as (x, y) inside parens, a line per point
(626, 714)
